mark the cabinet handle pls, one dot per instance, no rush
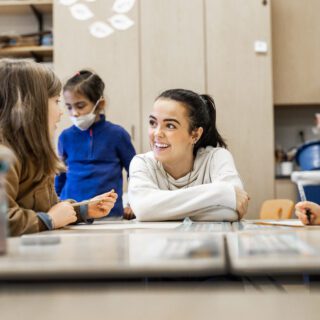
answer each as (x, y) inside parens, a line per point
(133, 129)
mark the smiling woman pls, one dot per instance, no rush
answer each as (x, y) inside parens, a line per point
(170, 139)
(189, 172)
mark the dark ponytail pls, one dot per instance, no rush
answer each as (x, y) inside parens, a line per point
(87, 84)
(202, 113)
(210, 136)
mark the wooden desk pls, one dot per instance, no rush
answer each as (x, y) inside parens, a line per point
(86, 262)
(132, 226)
(52, 303)
(108, 255)
(274, 252)
(95, 258)
(187, 250)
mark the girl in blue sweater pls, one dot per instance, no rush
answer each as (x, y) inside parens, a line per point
(94, 150)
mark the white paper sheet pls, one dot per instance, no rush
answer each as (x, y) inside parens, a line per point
(123, 226)
(286, 223)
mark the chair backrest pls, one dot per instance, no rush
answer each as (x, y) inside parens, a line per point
(276, 209)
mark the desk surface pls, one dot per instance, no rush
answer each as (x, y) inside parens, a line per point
(132, 226)
(84, 254)
(102, 255)
(197, 249)
(274, 252)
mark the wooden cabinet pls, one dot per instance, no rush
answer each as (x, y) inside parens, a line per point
(240, 80)
(172, 51)
(296, 51)
(18, 9)
(285, 189)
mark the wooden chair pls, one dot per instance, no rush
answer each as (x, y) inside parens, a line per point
(276, 209)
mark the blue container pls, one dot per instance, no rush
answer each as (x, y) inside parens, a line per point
(312, 193)
(308, 156)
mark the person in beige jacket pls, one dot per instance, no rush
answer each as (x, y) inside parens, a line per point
(29, 113)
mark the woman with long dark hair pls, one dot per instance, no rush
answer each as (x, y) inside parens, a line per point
(189, 172)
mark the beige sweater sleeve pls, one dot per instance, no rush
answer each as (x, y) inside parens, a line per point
(214, 201)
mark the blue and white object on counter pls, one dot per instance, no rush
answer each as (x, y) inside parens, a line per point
(308, 183)
(308, 156)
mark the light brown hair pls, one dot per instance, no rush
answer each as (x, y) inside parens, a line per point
(25, 89)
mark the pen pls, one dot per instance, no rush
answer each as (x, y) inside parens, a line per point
(77, 204)
(303, 198)
(90, 201)
(308, 214)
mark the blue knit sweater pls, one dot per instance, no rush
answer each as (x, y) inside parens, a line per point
(94, 159)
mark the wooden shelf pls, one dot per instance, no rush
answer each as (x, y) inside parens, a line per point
(23, 6)
(28, 51)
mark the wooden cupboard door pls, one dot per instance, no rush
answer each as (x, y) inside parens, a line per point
(115, 58)
(241, 83)
(172, 51)
(296, 51)
(286, 189)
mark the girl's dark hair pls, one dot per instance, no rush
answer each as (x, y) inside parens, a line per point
(87, 84)
(202, 113)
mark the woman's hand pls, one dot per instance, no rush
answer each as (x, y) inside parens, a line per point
(242, 199)
(301, 208)
(103, 207)
(62, 214)
(128, 213)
